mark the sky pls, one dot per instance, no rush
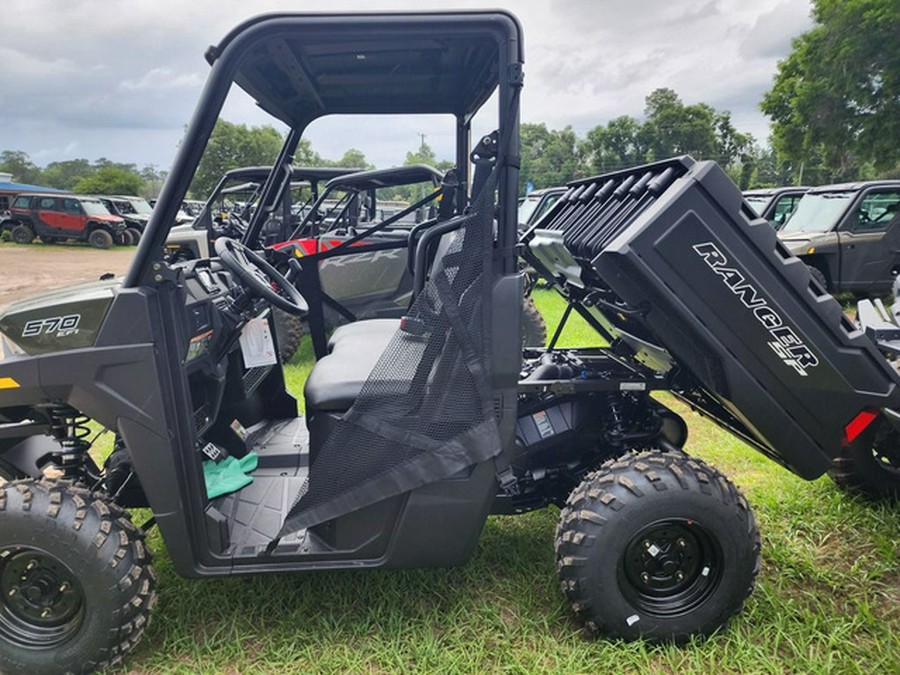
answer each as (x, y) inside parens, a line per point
(120, 78)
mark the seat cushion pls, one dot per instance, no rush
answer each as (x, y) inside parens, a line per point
(336, 380)
(374, 332)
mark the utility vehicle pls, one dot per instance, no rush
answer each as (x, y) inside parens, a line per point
(416, 429)
(849, 235)
(228, 211)
(231, 204)
(355, 247)
(776, 205)
(62, 217)
(135, 211)
(535, 204)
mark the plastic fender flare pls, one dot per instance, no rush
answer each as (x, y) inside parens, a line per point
(28, 454)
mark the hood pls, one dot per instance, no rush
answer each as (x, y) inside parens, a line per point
(112, 220)
(65, 318)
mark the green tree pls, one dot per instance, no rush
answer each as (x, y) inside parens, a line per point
(352, 159)
(153, 180)
(64, 175)
(677, 129)
(621, 143)
(232, 146)
(304, 155)
(425, 155)
(549, 156)
(110, 180)
(836, 97)
(21, 167)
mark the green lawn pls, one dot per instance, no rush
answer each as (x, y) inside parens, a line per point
(827, 600)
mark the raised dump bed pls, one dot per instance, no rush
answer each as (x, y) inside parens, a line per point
(672, 249)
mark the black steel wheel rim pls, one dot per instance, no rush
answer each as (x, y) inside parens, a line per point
(886, 453)
(42, 604)
(670, 567)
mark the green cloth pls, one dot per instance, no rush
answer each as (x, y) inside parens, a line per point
(229, 475)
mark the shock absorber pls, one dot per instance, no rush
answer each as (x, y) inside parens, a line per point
(615, 414)
(69, 427)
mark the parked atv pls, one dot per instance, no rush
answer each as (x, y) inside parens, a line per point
(62, 217)
(415, 430)
(849, 235)
(230, 208)
(776, 205)
(355, 246)
(135, 211)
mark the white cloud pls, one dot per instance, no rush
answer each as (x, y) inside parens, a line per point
(120, 78)
(162, 78)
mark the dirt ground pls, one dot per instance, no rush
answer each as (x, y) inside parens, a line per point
(27, 270)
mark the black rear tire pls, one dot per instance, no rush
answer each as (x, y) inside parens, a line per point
(22, 234)
(135, 235)
(100, 239)
(76, 581)
(289, 331)
(657, 546)
(534, 329)
(870, 469)
(819, 276)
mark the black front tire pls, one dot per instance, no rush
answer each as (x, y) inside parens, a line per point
(76, 579)
(819, 276)
(289, 331)
(100, 239)
(22, 234)
(870, 468)
(657, 546)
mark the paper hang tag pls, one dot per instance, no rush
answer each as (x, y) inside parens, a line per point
(257, 344)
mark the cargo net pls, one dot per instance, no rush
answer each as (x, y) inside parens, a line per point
(425, 412)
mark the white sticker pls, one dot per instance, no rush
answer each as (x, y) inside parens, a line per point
(257, 345)
(632, 386)
(705, 571)
(633, 619)
(653, 550)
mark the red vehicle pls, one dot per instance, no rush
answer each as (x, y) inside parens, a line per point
(55, 218)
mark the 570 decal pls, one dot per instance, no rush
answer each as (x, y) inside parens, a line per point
(59, 326)
(789, 347)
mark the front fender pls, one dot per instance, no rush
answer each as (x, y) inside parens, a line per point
(27, 455)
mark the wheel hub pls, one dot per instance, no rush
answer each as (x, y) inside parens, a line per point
(41, 601)
(670, 567)
(886, 453)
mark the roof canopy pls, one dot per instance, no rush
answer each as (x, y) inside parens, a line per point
(298, 173)
(381, 178)
(299, 68)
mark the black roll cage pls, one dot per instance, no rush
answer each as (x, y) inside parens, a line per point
(468, 85)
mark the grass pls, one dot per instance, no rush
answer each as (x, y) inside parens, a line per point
(827, 599)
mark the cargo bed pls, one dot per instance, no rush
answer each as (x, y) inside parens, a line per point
(668, 260)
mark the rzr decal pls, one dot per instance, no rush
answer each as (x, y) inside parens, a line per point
(789, 347)
(59, 326)
(365, 257)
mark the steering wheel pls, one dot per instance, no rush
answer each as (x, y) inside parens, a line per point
(259, 277)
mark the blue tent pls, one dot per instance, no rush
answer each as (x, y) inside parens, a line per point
(22, 187)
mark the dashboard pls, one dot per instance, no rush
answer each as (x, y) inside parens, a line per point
(216, 312)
